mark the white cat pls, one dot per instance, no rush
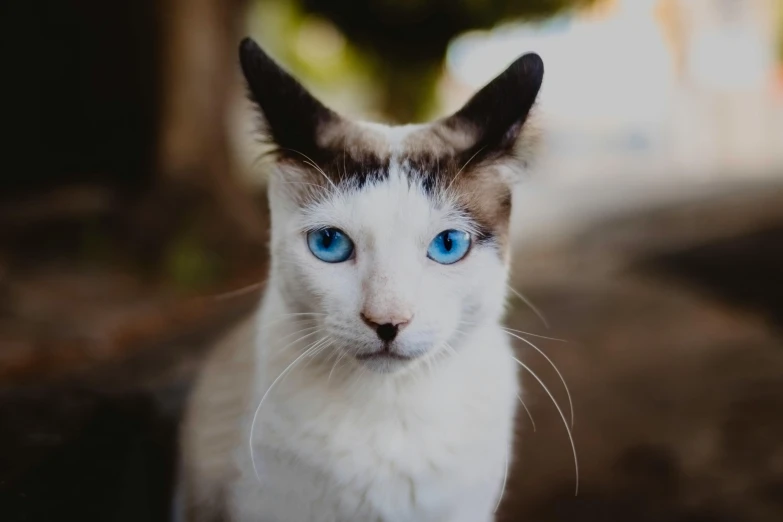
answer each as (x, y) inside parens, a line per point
(375, 382)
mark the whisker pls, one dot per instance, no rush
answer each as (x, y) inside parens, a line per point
(275, 324)
(239, 291)
(318, 347)
(281, 318)
(301, 313)
(336, 362)
(302, 330)
(523, 332)
(316, 167)
(529, 415)
(261, 402)
(552, 364)
(296, 341)
(503, 488)
(530, 304)
(562, 416)
(345, 171)
(428, 362)
(325, 343)
(463, 168)
(535, 335)
(287, 321)
(304, 183)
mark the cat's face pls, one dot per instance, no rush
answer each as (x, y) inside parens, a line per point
(396, 237)
(398, 271)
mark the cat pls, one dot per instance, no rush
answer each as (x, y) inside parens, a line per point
(374, 382)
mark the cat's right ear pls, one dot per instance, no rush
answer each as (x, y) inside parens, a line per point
(491, 122)
(292, 116)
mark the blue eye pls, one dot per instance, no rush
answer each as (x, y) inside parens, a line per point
(330, 245)
(449, 247)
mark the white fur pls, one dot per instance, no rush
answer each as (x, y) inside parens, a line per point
(341, 440)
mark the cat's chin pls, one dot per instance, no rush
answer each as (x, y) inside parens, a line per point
(385, 361)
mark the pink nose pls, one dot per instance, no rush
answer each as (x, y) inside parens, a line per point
(387, 329)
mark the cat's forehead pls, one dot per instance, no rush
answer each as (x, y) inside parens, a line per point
(353, 153)
(397, 207)
(417, 166)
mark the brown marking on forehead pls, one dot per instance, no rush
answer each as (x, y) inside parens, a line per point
(437, 156)
(439, 138)
(355, 137)
(487, 200)
(347, 156)
(446, 150)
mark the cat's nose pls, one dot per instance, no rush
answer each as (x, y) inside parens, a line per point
(387, 329)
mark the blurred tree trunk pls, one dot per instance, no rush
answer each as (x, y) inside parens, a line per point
(199, 76)
(122, 109)
(196, 171)
(123, 191)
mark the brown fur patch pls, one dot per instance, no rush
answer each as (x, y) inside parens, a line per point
(437, 152)
(488, 200)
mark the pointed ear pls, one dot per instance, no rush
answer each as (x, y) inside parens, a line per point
(292, 115)
(492, 120)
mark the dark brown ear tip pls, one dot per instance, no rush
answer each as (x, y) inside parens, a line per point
(248, 45)
(530, 65)
(533, 62)
(251, 53)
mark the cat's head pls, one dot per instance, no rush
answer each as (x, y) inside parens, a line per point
(396, 236)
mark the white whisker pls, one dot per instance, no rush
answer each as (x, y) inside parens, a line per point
(530, 304)
(304, 183)
(345, 171)
(336, 362)
(534, 335)
(283, 316)
(316, 167)
(552, 364)
(280, 324)
(463, 168)
(286, 317)
(239, 291)
(450, 348)
(503, 488)
(261, 402)
(529, 415)
(316, 328)
(523, 332)
(562, 416)
(322, 345)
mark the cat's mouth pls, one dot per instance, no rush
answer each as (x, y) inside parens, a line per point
(384, 355)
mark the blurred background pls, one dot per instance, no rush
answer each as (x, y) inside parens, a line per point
(648, 233)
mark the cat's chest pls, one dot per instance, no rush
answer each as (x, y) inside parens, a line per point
(426, 432)
(418, 456)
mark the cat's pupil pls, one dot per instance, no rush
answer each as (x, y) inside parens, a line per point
(326, 238)
(447, 243)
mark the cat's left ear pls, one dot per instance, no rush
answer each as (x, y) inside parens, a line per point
(293, 118)
(491, 122)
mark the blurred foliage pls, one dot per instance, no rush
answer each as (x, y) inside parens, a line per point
(315, 49)
(400, 45)
(190, 263)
